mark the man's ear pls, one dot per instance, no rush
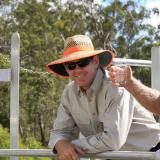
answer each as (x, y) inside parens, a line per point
(96, 60)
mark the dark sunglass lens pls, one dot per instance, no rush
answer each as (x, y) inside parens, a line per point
(71, 66)
(80, 63)
(84, 62)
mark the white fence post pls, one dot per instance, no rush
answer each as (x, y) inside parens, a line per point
(14, 99)
(155, 71)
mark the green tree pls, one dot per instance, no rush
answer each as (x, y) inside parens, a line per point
(43, 26)
(119, 26)
(30, 143)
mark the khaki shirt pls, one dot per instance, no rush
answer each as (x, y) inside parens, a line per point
(107, 116)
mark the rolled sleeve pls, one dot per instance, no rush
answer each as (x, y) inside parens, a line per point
(64, 126)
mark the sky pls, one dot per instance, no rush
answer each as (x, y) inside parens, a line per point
(149, 4)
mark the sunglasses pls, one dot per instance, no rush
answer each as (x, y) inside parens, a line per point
(81, 63)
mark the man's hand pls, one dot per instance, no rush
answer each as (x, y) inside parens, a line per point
(68, 151)
(115, 72)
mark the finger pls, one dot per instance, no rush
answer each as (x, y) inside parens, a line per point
(79, 150)
(128, 72)
(111, 69)
(61, 157)
(111, 74)
(129, 69)
(66, 157)
(112, 78)
(72, 156)
(116, 84)
(75, 157)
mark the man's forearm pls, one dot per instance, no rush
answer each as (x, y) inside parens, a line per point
(146, 96)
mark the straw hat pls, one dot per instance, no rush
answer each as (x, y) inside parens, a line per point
(75, 48)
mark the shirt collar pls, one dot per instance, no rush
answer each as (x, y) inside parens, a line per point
(96, 83)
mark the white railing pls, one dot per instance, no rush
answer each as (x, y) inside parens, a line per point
(125, 155)
(133, 62)
(12, 76)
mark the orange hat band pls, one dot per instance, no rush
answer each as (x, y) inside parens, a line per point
(75, 49)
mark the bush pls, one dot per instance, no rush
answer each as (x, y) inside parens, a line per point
(30, 143)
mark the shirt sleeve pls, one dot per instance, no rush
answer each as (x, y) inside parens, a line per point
(64, 126)
(116, 120)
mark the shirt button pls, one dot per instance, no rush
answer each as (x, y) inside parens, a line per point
(94, 113)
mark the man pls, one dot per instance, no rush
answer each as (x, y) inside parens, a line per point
(107, 116)
(147, 97)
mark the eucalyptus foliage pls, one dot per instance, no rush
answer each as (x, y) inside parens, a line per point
(43, 26)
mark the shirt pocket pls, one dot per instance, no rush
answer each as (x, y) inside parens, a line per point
(83, 123)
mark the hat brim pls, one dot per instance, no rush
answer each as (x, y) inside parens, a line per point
(57, 67)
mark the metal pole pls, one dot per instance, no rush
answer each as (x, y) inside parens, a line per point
(132, 62)
(14, 101)
(155, 75)
(125, 155)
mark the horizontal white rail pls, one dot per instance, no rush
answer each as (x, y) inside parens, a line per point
(128, 155)
(5, 75)
(132, 62)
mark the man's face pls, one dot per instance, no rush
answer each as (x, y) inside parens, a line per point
(83, 71)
